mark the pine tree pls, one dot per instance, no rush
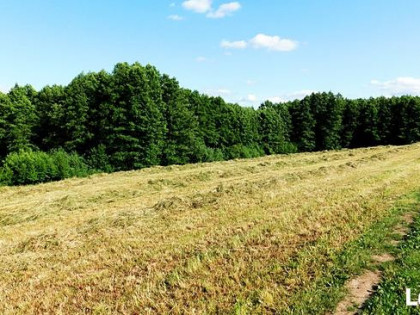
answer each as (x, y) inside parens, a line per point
(49, 105)
(384, 120)
(366, 133)
(327, 111)
(349, 123)
(76, 111)
(20, 118)
(138, 128)
(180, 139)
(5, 108)
(272, 130)
(303, 125)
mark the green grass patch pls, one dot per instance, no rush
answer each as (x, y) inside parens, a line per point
(403, 273)
(324, 294)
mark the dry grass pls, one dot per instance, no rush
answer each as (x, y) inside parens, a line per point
(216, 237)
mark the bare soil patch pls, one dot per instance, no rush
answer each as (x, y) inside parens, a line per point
(359, 290)
(383, 258)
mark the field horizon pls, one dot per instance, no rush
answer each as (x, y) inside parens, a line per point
(240, 236)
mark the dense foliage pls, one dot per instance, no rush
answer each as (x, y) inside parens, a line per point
(135, 117)
(28, 167)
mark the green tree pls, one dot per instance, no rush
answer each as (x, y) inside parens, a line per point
(20, 117)
(272, 130)
(181, 143)
(5, 109)
(384, 120)
(137, 123)
(349, 123)
(366, 133)
(407, 114)
(206, 115)
(303, 121)
(327, 110)
(49, 104)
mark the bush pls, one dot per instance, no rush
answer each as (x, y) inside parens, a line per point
(98, 160)
(202, 153)
(68, 164)
(32, 167)
(213, 155)
(239, 151)
(287, 147)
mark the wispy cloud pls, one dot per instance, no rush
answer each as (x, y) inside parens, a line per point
(399, 86)
(201, 59)
(273, 43)
(252, 98)
(224, 10)
(4, 89)
(206, 6)
(240, 44)
(175, 17)
(223, 92)
(290, 96)
(262, 41)
(199, 6)
(248, 100)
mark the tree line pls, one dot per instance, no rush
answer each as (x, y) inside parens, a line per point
(135, 117)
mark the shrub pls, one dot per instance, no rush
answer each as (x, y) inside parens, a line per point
(212, 155)
(98, 160)
(240, 151)
(202, 153)
(287, 147)
(31, 167)
(68, 164)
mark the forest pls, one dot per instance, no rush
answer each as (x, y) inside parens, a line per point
(136, 117)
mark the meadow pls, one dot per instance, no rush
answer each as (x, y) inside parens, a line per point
(275, 234)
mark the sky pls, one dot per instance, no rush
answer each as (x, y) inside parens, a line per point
(246, 51)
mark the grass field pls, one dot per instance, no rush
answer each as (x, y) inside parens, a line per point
(398, 276)
(278, 234)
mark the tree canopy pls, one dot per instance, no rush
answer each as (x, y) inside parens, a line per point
(136, 117)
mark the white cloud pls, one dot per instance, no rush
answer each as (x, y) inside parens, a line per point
(251, 82)
(205, 6)
(276, 99)
(273, 43)
(300, 94)
(399, 86)
(224, 10)
(252, 98)
(290, 96)
(4, 89)
(175, 17)
(201, 59)
(199, 6)
(240, 44)
(222, 92)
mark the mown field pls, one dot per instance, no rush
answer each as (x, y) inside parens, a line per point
(278, 234)
(403, 273)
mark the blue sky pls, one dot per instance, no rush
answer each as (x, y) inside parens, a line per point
(246, 51)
